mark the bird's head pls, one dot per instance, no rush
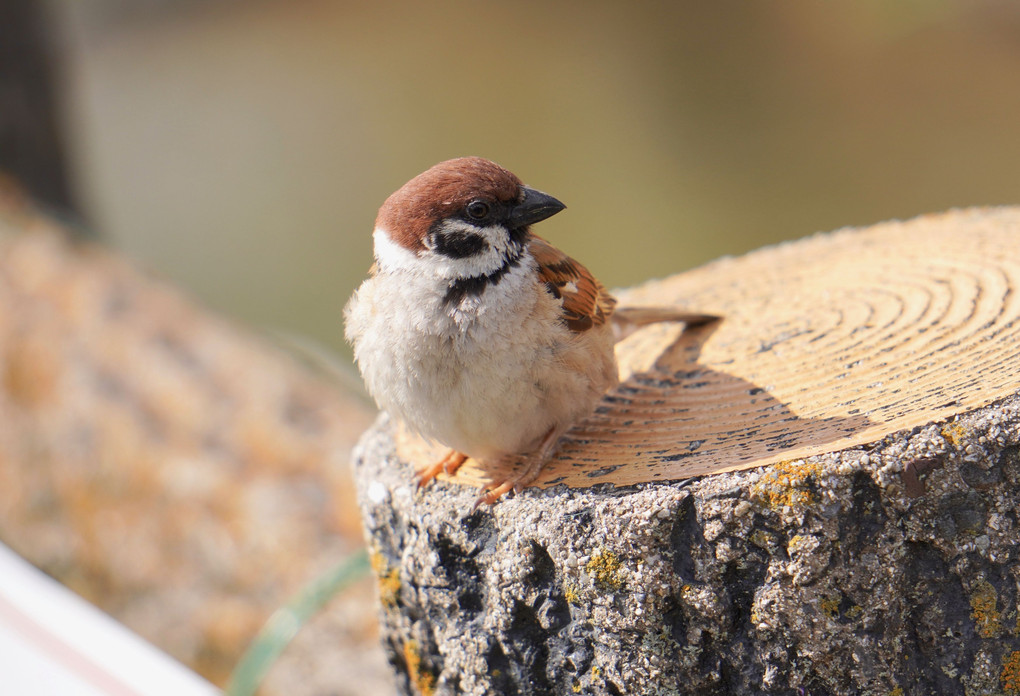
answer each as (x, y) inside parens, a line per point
(463, 218)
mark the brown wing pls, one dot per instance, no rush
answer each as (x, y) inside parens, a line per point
(585, 302)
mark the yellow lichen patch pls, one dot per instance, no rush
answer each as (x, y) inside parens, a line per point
(604, 567)
(576, 687)
(984, 610)
(954, 434)
(422, 680)
(786, 484)
(897, 691)
(797, 543)
(1009, 677)
(571, 594)
(388, 578)
(830, 607)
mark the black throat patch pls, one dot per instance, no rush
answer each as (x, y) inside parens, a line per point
(459, 245)
(475, 285)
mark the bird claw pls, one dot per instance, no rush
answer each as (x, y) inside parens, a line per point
(494, 491)
(532, 467)
(491, 493)
(449, 464)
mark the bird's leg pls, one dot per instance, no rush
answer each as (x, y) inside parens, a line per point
(449, 464)
(533, 467)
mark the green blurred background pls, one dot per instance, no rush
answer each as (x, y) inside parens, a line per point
(242, 148)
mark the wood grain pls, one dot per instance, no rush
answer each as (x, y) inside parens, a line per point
(830, 342)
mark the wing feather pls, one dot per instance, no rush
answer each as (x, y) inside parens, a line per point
(586, 303)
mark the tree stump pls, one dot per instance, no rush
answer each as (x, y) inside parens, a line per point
(815, 495)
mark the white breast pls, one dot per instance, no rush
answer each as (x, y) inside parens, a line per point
(488, 377)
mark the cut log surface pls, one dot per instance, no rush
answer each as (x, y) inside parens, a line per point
(826, 343)
(854, 424)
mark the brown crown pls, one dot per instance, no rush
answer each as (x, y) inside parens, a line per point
(440, 191)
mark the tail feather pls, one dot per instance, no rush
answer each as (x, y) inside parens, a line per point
(627, 320)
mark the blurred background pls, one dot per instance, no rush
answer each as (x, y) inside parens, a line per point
(240, 150)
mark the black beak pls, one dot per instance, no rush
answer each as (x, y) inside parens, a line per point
(535, 207)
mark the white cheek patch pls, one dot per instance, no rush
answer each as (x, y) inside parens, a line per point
(391, 256)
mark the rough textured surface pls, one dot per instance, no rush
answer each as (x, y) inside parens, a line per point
(887, 570)
(879, 558)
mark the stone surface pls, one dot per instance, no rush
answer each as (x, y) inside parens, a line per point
(814, 495)
(889, 569)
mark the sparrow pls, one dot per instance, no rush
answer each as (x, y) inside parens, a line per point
(475, 332)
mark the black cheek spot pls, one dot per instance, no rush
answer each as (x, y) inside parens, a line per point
(459, 245)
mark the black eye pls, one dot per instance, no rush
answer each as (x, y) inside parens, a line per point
(478, 210)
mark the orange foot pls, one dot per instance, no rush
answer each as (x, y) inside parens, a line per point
(449, 464)
(491, 493)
